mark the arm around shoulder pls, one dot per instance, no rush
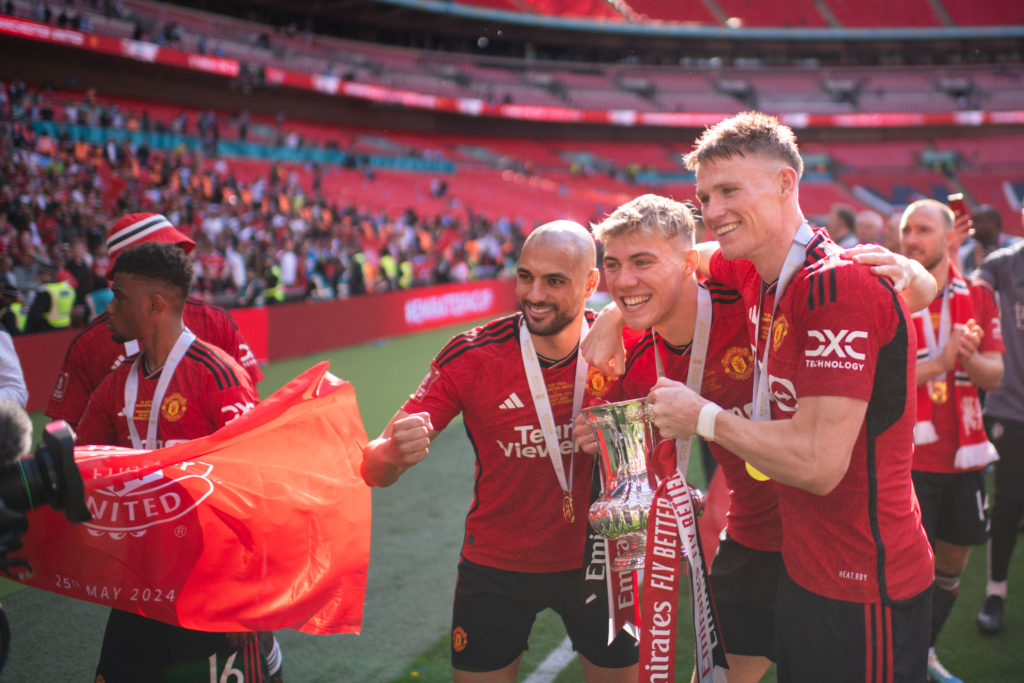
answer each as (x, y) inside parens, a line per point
(705, 250)
(921, 290)
(603, 347)
(912, 280)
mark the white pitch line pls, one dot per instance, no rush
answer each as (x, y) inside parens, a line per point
(553, 663)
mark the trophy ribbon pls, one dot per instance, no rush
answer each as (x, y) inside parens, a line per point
(762, 397)
(623, 601)
(671, 529)
(542, 404)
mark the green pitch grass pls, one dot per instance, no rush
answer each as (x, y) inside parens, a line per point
(417, 532)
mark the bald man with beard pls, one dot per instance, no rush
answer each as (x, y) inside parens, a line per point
(518, 381)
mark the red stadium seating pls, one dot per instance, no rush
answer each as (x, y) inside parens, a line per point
(646, 155)
(599, 87)
(817, 198)
(974, 13)
(589, 9)
(872, 13)
(779, 14)
(506, 5)
(791, 14)
(987, 152)
(687, 12)
(890, 167)
(870, 156)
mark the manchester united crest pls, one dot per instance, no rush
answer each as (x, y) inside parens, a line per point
(779, 331)
(173, 407)
(598, 385)
(459, 639)
(738, 362)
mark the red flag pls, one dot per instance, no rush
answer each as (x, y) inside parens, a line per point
(263, 525)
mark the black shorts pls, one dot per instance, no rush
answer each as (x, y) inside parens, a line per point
(744, 582)
(819, 639)
(139, 649)
(954, 506)
(494, 611)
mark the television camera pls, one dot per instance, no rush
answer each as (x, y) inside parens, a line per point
(29, 480)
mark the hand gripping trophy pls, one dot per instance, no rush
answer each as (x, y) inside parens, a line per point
(626, 440)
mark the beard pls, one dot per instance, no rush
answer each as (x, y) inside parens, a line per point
(930, 261)
(933, 262)
(552, 326)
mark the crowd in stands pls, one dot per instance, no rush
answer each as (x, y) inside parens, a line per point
(267, 238)
(272, 239)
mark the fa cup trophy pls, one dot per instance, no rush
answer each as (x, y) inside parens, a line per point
(625, 438)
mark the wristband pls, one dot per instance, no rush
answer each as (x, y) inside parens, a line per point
(706, 420)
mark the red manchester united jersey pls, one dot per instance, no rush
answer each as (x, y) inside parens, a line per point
(208, 390)
(841, 331)
(515, 521)
(941, 455)
(740, 275)
(93, 354)
(753, 517)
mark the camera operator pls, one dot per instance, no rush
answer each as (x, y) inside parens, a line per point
(15, 428)
(12, 379)
(49, 477)
(15, 439)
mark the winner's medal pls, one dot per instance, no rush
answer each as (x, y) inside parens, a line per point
(756, 474)
(541, 403)
(939, 387)
(762, 396)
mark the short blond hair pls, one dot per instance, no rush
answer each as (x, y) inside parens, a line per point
(748, 133)
(650, 214)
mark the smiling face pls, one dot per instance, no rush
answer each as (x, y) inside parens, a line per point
(552, 286)
(742, 202)
(646, 274)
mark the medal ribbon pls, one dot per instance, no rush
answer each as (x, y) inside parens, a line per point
(131, 390)
(695, 371)
(933, 345)
(762, 397)
(671, 529)
(541, 403)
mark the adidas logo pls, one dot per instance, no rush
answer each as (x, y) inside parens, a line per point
(511, 402)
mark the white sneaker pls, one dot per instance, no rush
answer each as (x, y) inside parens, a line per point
(937, 673)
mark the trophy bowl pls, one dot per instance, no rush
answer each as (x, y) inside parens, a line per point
(626, 439)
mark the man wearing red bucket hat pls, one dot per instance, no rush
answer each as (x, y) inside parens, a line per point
(93, 353)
